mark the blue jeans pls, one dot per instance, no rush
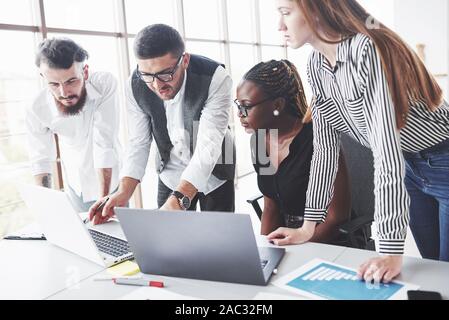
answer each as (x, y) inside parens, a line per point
(427, 182)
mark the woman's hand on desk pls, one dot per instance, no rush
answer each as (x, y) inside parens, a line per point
(287, 236)
(380, 269)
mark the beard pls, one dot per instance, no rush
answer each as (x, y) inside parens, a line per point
(75, 109)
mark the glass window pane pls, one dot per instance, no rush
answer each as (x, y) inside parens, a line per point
(17, 12)
(242, 59)
(271, 52)
(132, 59)
(269, 21)
(13, 150)
(13, 214)
(12, 113)
(240, 20)
(300, 57)
(202, 19)
(98, 15)
(103, 51)
(211, 50)
(140, 14)
(19, 82)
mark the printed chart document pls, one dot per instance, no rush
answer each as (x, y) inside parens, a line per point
(320, 279)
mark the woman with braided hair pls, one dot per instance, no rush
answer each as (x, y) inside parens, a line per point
(369, 84)
(272, 106)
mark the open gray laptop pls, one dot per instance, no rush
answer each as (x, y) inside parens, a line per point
(62, 226)
(208, 245)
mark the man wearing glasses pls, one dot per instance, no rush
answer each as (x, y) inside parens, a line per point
(181, 101)
(82, 109)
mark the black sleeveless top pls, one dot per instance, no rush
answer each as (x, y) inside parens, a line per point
(288, 185)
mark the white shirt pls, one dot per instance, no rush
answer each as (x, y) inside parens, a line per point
(87, 141)
(197, 168)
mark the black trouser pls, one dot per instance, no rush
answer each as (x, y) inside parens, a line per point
(221, 199)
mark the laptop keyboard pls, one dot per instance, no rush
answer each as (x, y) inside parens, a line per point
(263, 263)
(109, 245)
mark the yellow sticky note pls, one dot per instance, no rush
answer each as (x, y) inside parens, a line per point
(126, 268)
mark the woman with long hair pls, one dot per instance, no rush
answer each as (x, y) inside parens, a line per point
(369, 84)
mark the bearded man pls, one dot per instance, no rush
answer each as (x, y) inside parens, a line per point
(82, 110)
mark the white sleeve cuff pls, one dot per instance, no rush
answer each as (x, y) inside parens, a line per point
(196, 177)
(41, 167)
(132, 172)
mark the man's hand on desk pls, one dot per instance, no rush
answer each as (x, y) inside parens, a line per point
(380, 269)
(102, 210)
(287, 236)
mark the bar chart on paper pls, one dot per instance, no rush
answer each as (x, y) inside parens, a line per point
(333, 282)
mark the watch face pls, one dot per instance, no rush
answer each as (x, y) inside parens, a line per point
(185, 202)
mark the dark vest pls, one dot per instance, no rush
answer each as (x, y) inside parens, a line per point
(199, 77)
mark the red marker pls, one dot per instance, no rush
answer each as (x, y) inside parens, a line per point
(139, 282)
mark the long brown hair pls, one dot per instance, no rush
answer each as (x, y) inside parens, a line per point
(407, 76)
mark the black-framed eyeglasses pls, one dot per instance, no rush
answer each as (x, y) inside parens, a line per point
(243, 109)
(165, 76)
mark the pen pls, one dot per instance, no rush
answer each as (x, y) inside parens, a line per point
(42, 237)
(98, 208)
(109, 278)
(139, 282)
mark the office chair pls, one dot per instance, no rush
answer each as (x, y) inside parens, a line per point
(356, 232)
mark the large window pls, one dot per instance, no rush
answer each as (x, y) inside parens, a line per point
(98, 15)
(212, 50)
(139, 13)
(202, 19)
(269, 22)
(241, 20)
(20, 12)
(238, 33)
(19, 83)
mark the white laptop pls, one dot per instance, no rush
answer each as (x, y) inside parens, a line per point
(62, 226)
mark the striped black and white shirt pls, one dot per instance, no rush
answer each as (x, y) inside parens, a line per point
(354, 98)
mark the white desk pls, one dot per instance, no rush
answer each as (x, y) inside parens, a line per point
(295, 256)
(38, 270)
(35, 269)
(428, 274)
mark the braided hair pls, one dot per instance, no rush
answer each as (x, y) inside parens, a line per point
(279, 78)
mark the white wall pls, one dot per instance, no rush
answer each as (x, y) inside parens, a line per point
(419, 22)
(382, 10)
(426, 22)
